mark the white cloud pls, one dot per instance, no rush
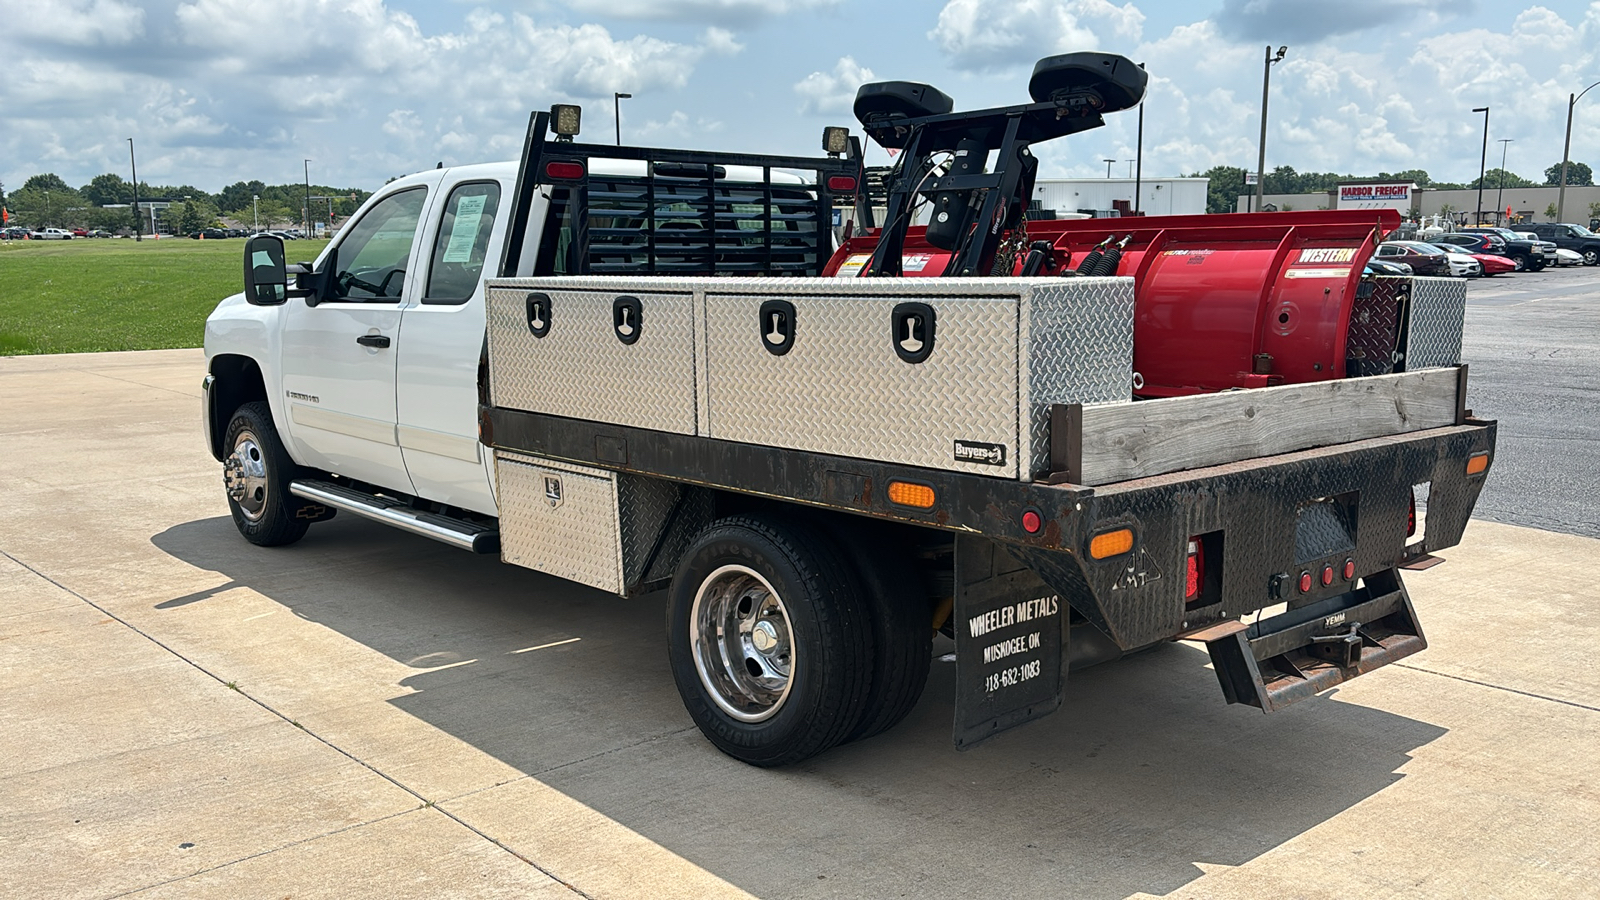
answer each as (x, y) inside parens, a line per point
(1002, 34)
(722, 12)
(822, 92)
(83, 23)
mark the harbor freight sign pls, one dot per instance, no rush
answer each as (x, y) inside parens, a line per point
(1394, 195)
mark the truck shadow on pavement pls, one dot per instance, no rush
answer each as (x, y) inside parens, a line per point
(1143, 773)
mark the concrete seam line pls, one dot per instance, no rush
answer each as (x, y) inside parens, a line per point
(247, 858)
(534, 776)
(1497, 687)
(153, 387)
(427, 804)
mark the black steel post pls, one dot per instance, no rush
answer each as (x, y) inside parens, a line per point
(138, 230)
(305, 214)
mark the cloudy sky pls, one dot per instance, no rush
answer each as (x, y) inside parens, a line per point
(217, 91)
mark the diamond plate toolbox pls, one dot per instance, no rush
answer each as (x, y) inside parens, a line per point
(951, 373)
(1438, 311)
(592, 526)
(625, 358)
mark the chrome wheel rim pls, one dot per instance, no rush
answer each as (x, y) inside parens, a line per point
(244, 473)
(743, 643)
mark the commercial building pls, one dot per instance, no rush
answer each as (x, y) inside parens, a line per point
(1525, 204)
(1157, 196)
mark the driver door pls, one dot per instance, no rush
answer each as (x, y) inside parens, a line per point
(339, 355)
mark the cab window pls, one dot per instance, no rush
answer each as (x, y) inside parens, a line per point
(373, 255)
(462, 242)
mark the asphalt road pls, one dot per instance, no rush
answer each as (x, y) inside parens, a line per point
(1533, 343)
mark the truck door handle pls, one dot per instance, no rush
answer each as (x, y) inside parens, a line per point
(373, 340)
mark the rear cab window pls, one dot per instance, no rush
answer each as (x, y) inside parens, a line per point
(459, 248)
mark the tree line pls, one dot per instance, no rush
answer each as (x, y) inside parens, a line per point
(1227, 182)
(47, 201)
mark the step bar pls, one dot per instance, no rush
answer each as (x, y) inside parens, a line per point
(1302, 652)
(459, 533)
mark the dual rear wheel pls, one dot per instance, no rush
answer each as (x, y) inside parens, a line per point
(783, 643)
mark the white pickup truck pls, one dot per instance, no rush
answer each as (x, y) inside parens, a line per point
(641, 368)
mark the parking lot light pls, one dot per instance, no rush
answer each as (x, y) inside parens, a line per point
(1566, 153)
(1500, 192)
(1482, 162)
(1261, 161)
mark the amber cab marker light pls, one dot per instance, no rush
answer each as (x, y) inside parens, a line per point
(1477, 462)
(909, 493)
(1112, 543)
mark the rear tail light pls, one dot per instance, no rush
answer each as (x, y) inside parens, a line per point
(1197, 570)
(1349, 570)
(1305, 582)
(842, 184)
(563, 170)
(1327, 575)
(1411, 517)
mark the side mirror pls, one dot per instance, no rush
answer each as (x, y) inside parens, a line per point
(266, 278)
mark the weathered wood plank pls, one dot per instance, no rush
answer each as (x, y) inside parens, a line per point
(1135, 440)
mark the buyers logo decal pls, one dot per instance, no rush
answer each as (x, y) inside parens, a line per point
(981, 453)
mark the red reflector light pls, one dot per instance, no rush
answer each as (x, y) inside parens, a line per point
(842, 184)
(1305, 582)
(1411, 517)
(1031, 521)
(1327, 575)
(564, 171)
(1349, 569)
(1196, 571)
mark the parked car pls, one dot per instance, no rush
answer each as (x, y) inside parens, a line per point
(210, 234)
(1525, 253)
(1565, 257)
(1377, 266)
(1488, 263)
(52, 234)
(1424, 259)
(1568, 236)
(1462, 265)
(15, 233)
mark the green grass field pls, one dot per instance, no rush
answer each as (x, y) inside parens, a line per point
(86, 295)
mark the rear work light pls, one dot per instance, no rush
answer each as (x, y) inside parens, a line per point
(909, 493)
(842, 184)
(563, 170)
(1112, 543)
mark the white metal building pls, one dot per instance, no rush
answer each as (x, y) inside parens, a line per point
(1157, 196)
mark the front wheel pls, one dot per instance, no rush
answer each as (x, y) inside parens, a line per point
(1591, 257)
(256, 475)
(767, 639)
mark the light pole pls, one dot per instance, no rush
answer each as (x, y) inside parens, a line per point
(46, 209)
(1482, 162)
(1566, 152)
(1266, 81)
(1130, 163)
(1501, 191)
(1108, 163)
(255, 210)
(138, 232)
(616, 107)
(1138, 172)
(305, 214)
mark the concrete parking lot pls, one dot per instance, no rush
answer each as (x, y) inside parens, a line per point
(368, 713)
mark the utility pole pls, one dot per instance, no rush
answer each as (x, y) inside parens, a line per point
(1482, 162)
(255, 210)
(1566, 153)
(138, 231)
(1266, 82)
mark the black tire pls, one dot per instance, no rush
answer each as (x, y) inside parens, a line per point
(1538, 266)
(896, 604)
(256, 475)
(726, 682)
(1519, 263)
(1591, 257)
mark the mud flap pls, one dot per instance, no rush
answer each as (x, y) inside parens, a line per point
(1011, 634)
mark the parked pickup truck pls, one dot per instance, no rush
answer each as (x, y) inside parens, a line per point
(1054, 442)
(1569, 236)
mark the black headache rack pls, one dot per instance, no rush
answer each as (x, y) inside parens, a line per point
(679, 212)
